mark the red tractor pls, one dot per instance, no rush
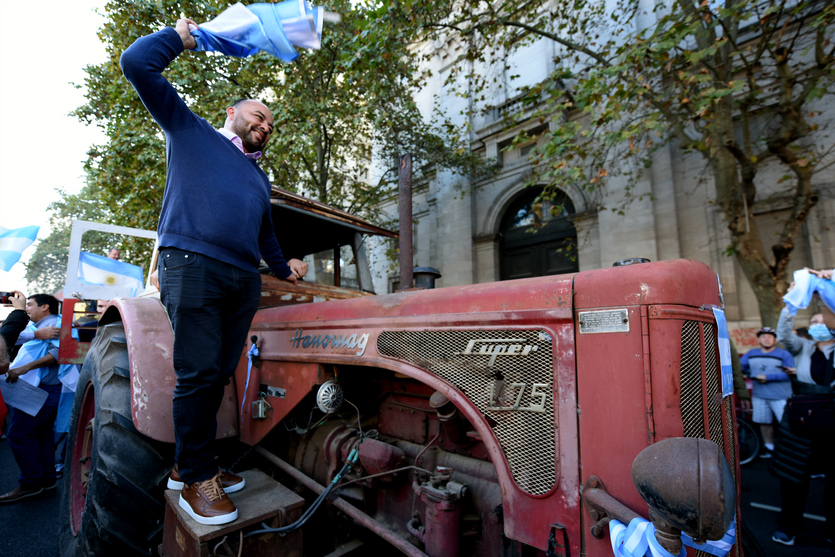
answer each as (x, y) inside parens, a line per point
(490, 420)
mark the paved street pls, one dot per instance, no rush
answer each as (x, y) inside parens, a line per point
(29, 528)
(760, 503)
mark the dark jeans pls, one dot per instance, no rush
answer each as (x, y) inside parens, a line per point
(32, 440)
(211, 305)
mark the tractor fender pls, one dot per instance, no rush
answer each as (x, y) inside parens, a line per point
(150, 343)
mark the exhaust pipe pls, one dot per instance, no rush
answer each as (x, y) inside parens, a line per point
(425, 277)
(405, 209)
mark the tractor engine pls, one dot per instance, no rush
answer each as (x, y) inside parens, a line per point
(422, 470)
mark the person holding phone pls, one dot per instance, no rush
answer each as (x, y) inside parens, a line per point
(31, 438)
(14, 330)
(766, 366)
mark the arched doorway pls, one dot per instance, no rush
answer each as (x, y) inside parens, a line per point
(550, 250)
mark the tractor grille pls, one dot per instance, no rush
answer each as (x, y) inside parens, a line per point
(698, 354)
(478, 364)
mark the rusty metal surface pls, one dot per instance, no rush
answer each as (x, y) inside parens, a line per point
(679, 281)
(688, 483)
(602, 507)
(509, 377)
(680, 312)
(283, 197)
(276, 292)
(377, 527)
(702, 412)
(150, 350)
(305, 333)
(687, 486)
(296, 379)
(614, 412)
(377, 457)
(404, 205)
(630, 389)
(553, 293)
(411, 430)
(70, 351)
(615, 373)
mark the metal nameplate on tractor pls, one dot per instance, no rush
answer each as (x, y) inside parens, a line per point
(605, 321)
(273, 391)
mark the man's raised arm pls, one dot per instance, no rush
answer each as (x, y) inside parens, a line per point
(143, 63)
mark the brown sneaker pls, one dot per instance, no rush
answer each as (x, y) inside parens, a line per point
(21, 492)
(206, 502)
(230, 482)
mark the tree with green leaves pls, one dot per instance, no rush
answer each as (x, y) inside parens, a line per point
(46, 270)
(742, 83)
(335, 109)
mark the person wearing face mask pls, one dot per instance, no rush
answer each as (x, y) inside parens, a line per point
(766, 365)
(798, 452)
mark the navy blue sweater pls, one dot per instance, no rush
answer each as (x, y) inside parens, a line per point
(216, 201)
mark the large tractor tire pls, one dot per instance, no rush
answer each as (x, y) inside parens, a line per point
(112, 498)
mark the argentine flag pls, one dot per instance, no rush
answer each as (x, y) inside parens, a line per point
(638, 540)
(805, 286)
(97, 269)
(13, 242)
(35, 350)
(274, 28)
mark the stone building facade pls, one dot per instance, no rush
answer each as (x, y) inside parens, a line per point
(474, 232)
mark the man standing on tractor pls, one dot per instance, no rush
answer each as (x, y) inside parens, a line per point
(214, 228)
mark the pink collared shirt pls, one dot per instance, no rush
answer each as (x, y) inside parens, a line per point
(238, 143)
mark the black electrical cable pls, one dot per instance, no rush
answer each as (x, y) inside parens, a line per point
(312, 509)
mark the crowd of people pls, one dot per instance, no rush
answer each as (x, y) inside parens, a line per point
(30, 354)
(793, 389)
(210, 286)
(37, 431)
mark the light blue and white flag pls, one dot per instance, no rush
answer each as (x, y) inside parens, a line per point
(723, 340)
(273, 28)
(97, 269)
(253, 353)
(719, 548)
(805, 286)
(638, 540)
(68, 375)
(13, 242)
(35, 350)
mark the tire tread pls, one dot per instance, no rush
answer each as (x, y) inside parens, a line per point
(125, 506)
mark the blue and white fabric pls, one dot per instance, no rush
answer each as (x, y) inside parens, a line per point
(273, 28)
(638, 540)
(69, 382)
(719, 548)
(805, 286)
(97, 269)
(253, 353)
(64, 414)
(13, 242)
(724, 342)
(35, 350)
